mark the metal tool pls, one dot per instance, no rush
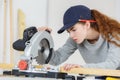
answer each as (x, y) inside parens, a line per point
(39, 47)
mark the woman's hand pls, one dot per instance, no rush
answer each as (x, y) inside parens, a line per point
(44, 29)
(68, 67)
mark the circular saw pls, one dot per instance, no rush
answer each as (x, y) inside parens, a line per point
(44, 53)
(39, 47)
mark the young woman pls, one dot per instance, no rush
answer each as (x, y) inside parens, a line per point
(94, 34)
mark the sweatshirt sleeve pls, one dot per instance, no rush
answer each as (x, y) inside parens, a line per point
(62, 54)
(112, 60)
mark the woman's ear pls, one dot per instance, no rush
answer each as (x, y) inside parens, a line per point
(87, 24)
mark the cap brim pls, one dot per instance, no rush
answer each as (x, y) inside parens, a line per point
(65, 27)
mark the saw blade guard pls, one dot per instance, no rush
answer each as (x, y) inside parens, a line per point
(39, 47)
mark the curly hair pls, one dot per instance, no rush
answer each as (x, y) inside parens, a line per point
(108, 27)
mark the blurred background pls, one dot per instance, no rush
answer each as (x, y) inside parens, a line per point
(16, 15)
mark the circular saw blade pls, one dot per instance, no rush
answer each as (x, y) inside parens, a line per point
(43, 51)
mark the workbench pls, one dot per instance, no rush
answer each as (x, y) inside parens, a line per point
(36, 78)
(24, 78)
(76, 71)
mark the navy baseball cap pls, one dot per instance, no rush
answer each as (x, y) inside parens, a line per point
(75, 14)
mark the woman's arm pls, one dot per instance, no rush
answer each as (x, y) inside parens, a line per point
(62, 54)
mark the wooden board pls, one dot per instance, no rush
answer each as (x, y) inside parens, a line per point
(6, 66)
(21, 23)
(90, 71)
(11, 33)
(4, 34)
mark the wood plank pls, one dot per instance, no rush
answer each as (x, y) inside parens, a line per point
(91, 71)
(4, 34)
(21, 23)
(5, 66)
(11, 33)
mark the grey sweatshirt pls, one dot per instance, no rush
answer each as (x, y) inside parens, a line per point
(98, 55)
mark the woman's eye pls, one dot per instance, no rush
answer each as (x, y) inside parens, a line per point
(73, 29)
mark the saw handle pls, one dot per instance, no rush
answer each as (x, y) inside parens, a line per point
(27, 35)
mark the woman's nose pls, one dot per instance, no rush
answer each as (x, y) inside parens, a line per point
(71, 35)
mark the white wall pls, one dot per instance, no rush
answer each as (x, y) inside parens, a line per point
(55, 19)
(117, 10)
(35, 15)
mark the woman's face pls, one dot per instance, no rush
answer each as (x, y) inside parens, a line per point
(78, 32)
